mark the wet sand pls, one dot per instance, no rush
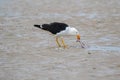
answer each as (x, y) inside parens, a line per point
(28, 53)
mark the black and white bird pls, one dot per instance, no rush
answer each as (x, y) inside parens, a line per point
(60, 30)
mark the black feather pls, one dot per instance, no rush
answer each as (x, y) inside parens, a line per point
(37, 26)
(54, 27)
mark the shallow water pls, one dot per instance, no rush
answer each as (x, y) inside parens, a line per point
(28, 53)
(104, 48)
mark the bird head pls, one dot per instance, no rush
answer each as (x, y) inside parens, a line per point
(77, 35)
(74, 31)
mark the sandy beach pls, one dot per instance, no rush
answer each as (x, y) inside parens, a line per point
(28, 53)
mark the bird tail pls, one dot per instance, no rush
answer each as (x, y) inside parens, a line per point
(38, 26)
(43, 26)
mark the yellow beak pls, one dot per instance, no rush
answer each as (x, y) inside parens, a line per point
(78, 37)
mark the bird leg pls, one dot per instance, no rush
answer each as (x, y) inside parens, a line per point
(64, 45)
(58, 42)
